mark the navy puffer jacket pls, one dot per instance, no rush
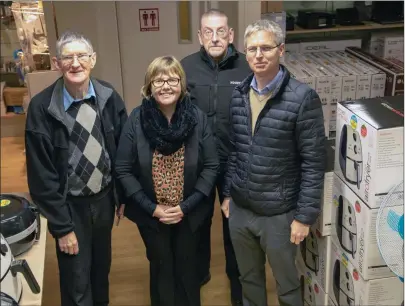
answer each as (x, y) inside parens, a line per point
(281, 167)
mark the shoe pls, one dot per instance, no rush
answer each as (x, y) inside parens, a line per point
(205, 280)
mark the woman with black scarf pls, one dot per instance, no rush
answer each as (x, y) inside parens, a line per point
(167, 165)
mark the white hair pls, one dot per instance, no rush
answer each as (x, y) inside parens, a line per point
(69, 37)
(265, 25)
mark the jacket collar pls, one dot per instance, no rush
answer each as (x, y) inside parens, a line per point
(231, 55)
(244, 87)
(56, 106)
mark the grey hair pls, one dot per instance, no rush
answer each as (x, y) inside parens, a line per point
(265, 25)
(213, 12)
(69, 37)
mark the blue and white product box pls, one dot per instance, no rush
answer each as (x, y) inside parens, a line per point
(354, 231)
(347, 287)
(313, 294)
(313, 256)
(370, 146)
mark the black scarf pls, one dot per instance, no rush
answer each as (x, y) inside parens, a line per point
(162, 136)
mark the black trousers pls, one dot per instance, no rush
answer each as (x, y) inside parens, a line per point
(171, 251)
(204, 247)
(84, 277)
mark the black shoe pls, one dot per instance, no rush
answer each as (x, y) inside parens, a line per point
(205, 280)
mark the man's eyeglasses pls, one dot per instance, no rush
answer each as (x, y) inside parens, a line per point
(263, 49)
(220, 33)
(82, 58)
(170, 82)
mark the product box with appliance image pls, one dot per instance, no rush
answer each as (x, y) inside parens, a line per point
(299, 73)
(323, 83)
(312, 293)
(347, 287)
(324, 221)
(354, 230)
(336, 80)
(370, 146)
(363, 81)
(395, 75)
(313, 255)
(330, 302)
(378, 77)
(336, 88)
(349, 80)
(363, 77)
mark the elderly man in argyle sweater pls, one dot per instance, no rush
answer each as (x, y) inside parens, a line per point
(71, 135)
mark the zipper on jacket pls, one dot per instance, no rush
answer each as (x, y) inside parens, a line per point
(249, 124)
(215, 97)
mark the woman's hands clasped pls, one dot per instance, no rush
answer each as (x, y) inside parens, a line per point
(168, 215)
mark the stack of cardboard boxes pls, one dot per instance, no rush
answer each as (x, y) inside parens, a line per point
(336, 75)
(340, 262)
(314, 252)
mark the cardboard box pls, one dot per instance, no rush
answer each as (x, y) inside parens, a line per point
(378, 77)
(14, 96)
(395, 75)
(300, 73)
(313, 256)
(349, 80)
(354, 231)
(390, 46)
(324, 222)
(330, 302)
(364, 76)
(336, 78)
(370, 146)
(396, 62)
(323, 83)
(363, 81)
(347, 287)
(312, 293)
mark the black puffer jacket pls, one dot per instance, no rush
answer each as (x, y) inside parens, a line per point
(282, 166)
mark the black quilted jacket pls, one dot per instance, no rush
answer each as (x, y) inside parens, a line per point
(282, 166)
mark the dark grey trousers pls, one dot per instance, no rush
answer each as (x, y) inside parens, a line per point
(254, 237)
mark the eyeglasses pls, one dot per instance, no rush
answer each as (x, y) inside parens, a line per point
(82, 58)
(170, 82)
(263, 49)
(220, 33)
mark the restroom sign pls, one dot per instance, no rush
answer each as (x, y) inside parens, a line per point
(149, 19)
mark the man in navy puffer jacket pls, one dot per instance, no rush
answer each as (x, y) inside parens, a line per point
(275, 174)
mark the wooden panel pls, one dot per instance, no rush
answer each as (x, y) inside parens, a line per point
(184, 21)
(274, 6)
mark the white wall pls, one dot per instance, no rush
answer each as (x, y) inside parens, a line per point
(97, 20)
(123, 51)
(248, 12)
(138, 48)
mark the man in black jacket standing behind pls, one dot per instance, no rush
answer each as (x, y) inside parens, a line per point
(212, 73)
